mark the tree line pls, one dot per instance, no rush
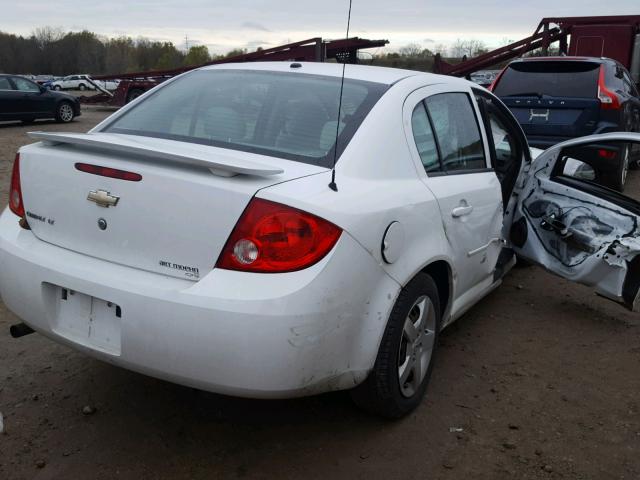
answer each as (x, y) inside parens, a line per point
(50, 51)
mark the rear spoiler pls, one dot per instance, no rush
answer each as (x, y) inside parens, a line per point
(219, 162)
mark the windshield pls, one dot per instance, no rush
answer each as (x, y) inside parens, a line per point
(571, 79)
(287, 115)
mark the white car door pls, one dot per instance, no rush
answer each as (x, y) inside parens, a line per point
(451, 148)
(568, 221)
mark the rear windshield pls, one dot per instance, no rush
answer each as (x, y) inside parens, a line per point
(557, 79)
(287, 115)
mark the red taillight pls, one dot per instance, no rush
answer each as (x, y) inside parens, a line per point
(274, 238)
(608, 99)
(15, 191)
(108, 172)
(606, 154)
(497, 79)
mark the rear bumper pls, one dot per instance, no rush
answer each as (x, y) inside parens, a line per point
(546, 141)
(253, 335)
(77, 111)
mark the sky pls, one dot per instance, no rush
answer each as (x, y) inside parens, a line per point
(224, 25)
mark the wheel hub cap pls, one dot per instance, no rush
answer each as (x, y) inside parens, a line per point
(416, 345)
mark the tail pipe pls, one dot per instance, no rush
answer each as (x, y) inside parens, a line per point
(20, 330)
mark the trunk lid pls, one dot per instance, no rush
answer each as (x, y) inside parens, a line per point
(552, 97)
(175, 221)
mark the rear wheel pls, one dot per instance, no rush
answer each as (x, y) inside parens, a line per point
(401, 373)
(82, 87)
(64, 112)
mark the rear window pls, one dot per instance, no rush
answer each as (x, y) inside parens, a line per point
(287, 115)
(557, 79)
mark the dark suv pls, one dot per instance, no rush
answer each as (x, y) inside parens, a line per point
(559, 98)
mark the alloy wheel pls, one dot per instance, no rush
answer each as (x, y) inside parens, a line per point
(416, 345)
(66, 112)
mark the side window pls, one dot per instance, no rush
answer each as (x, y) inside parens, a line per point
(4, 84)
(425, 141)
(457, 132)
(25, 85)
(603, 164)
(506, 151)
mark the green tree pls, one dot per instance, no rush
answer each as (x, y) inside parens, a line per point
(197, 55)
(170, 57)
(235, 52)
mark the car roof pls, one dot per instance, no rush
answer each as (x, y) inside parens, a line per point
(384, 75)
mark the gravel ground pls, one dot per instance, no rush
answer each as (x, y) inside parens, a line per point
(539, 381)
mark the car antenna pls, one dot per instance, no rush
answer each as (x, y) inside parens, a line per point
(333, 186)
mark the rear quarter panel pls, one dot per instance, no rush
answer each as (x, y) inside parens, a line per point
(377, 185)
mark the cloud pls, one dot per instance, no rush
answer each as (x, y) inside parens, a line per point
(255, 26)
(428, 40)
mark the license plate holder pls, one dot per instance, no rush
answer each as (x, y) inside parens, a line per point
(88, 320)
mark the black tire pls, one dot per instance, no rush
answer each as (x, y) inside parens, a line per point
(57, 88)
(133, 94)
(82, 87)
(62, 112)
(634, 158)
(381, 393)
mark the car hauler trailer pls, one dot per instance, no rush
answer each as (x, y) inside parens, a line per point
(132, 85)
(616, 37)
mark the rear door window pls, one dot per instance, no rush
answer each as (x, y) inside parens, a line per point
(572, 79)
(425, 140)
(4, 84)
(457, 132)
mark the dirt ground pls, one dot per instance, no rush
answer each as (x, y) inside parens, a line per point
(541, 380)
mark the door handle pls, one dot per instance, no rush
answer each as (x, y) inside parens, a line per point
(461, 211)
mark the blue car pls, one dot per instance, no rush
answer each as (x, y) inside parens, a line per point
(559, 98)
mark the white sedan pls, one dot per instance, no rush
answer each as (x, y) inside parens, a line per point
(215, 234)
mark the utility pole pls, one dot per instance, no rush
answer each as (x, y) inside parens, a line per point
(186, 43)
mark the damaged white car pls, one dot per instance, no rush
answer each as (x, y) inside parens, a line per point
(202, 234)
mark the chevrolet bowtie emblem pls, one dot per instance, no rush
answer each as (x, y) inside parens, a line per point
(103, 198)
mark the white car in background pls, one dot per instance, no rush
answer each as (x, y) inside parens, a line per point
(72, 82)
(201, 234)
(82, 82)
